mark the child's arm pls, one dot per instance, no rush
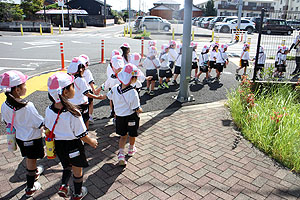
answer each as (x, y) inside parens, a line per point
(139, 110)
(101, 97)
(91, 141)
(93, 87)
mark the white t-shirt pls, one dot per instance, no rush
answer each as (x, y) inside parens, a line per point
(172, 54)
(27, 121)
(109, 71)
(221, 57)
(125, 101)
(68, 127)
(165, 63)
(245, 55)
(213, 56)
(194, 56)
(282, 59)
(125, 62)
(81, 88)
(277, 57)
(261, 58)
(151, 64)
(140, 79)
(203, 58)
(178, 61)
(88, 76)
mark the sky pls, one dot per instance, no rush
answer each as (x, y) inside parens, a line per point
(145, 4)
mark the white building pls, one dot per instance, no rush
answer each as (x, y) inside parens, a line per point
(11, 1)
(289, 8)
(251, 8)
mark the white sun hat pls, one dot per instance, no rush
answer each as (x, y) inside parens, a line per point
(73, 67)
(57, 82)
(11, 79)
(135, 59)
(127, 73)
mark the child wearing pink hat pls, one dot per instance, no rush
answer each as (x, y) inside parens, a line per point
(172, 53)
(127, 106)
(82, 89)
(177, 69)
(125, 52)
(244, 60)
(195, 59)
(204, 63)
(221, 61)
(66, 122)
(25, 119)
(164, 70)
(136, 60)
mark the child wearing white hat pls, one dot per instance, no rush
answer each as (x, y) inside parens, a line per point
(213, 56)
(82, 89)
(222, 60)
(244, 60)
(261, 60)
(152, 64)
(66, 122)
(136, 60)
(88, 76)
(282, 61)
(177, 69)
(195, 59)
(22, 118)
(127, 107)
(204, 63)
(164, 70)
(125, 52)
(172, 53)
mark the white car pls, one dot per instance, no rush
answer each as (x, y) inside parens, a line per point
(227, 27)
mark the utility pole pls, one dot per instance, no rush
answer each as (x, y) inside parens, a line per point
(240, 13)
(186, 62)
(129, 11)
(104, 13)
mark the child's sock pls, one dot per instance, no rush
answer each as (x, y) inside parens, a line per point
(30, 177)
(77, 184)
(121, 151)
(66, 176)
(131, 146)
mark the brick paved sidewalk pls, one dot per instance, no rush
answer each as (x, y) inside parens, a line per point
(189, 153)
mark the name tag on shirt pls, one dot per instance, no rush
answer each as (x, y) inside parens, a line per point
(74, 154)
(28, 144)
(131, 123)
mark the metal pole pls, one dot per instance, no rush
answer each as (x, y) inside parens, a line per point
(186, 62)
(62, 18)
(129, 12)
(240, 13)
(258, 42)
(45, 14)
(69, 20)
(104, 13)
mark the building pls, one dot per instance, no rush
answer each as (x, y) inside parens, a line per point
(166, 9)
(289, 8)
(169, 3)
(95, 10)
(251, 8)
(196, 12)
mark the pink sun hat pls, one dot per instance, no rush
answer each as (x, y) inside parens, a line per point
(164, 47)
(57, 82)
(117, 62)
(127, 73)
(135, 59)
(86, 58)
(11, 79)
(76, 61)
(126, 45)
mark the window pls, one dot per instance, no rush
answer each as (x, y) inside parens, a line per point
(280, 1)
(296, 8)
(252, 4)
(245, 21)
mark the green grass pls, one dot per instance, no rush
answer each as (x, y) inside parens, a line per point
(272, 124)
(287, 57)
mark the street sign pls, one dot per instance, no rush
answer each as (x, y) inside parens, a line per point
(60, 2)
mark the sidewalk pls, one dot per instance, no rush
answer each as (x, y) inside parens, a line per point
(187, 153)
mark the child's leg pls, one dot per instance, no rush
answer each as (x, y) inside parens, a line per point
(167, 80)
(77, 179)
(66, 175)
(152, 85)
(91, 108)
(207, 75)
(198, 75)
(160, 80)
(148, 83)
(131, 141)
(122, 143)
(175, 76)
(245, 70)
(196, 72)
(218, 73)
(87, 124)
(31, 172)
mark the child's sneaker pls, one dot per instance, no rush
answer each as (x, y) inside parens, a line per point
(64, 191)
(91, 119)
(121, 158)
(84, 192)
(166, 85)
(237, 71)
(174, 82)
(29, 192)
(148, 91)
(131, 152)
(39, 171)
(160, 86)
(151, 93)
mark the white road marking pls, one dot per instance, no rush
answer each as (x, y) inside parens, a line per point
(226, 72)
(78, 42)
(7, 43)
(38, 47)
(29, 65)
(16, 68)
(32, 59)
(42, 42)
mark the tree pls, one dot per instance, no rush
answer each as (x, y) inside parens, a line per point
(30, 7)
(10, 12)
(210, 9)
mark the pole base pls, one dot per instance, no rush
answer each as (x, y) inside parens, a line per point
(184, 100)
(62, 69)
(102, 62)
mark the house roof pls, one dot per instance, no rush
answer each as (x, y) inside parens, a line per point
(166, 2)
(98, 1)
(161, 7)
(194, 8)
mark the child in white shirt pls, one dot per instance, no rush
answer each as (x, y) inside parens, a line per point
(127, 107)
(222, 60)
(82, 88)
(21, 117)
(204, 63)
(177, 64)
(136, 60)
(66, 123)
(244, 60)
(165, 70)
(213, 57)
(194, 59)
(172, 53)
(125, 52)
(261, 60)
(152, 64)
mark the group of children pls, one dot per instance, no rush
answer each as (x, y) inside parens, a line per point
(67, 118)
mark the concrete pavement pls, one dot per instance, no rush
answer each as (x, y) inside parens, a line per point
(192, 152)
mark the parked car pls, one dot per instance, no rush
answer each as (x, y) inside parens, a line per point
(195, 20)
(276, 26)
(205, 22)
(256, 20)
(214, 21)
(199, 21)
(227, 27)
(155, 23)
(294, 24)
(137, 22)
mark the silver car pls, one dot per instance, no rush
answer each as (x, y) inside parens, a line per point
(155, 23)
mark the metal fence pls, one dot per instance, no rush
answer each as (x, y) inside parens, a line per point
(279, 29)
